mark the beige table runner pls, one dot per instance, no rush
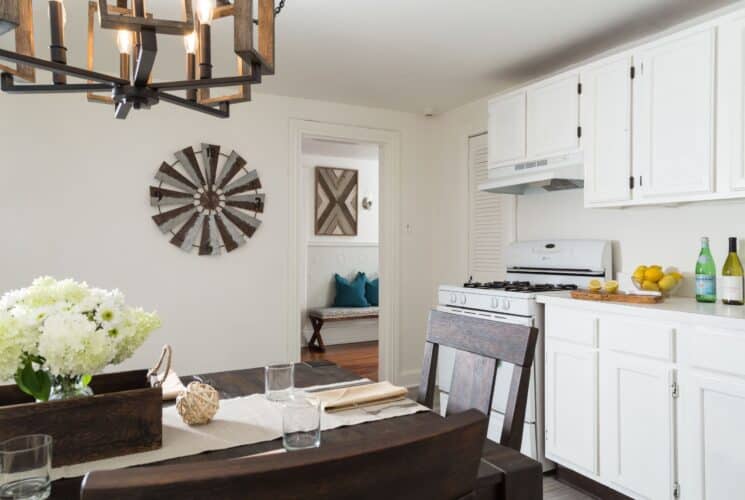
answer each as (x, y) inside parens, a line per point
(240, 421)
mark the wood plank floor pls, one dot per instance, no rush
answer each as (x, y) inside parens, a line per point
(360, 358)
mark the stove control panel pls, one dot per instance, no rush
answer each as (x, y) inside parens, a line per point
(486, 300)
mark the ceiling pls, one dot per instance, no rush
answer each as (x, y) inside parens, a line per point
(410, 55)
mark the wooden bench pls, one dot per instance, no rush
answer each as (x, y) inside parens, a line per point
(321, 315)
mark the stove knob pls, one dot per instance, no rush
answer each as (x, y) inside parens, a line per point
(463, 300)
(453, 298)
(505, 304)
(494, 303)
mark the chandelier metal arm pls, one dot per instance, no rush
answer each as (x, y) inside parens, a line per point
(227, 81)
(223, 111)
(147, 50)
(122, 109)
(60, 68)
(7, 84)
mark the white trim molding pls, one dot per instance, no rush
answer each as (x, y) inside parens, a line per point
(389, 244)
(342, 244)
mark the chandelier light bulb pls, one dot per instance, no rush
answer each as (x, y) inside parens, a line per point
(190, 43)
(205, 10)
(124, 41)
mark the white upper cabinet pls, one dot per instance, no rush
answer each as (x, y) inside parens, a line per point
(731, 105)
(674, 97)
(605, 105)
(553, 116)
(507, 128)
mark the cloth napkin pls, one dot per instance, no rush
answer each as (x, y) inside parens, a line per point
(358, 396)
(172, 386)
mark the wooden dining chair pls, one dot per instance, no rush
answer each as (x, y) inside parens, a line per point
(480, 344)
(435, 461)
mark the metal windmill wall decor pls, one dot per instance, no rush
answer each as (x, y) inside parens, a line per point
(206, 205)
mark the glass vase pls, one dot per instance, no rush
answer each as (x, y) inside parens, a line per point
(69, 387)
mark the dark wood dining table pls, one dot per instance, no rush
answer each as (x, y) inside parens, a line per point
(236, 383)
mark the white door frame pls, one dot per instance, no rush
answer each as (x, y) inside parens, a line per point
(389, 236)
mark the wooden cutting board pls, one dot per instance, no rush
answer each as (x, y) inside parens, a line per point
(616, 297)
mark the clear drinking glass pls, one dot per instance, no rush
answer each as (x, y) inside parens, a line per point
(301, 422)
(280, 381)
(25, 463)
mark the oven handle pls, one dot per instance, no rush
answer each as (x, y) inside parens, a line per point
(513, 320)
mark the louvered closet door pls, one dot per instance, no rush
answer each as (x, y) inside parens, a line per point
(491, 217)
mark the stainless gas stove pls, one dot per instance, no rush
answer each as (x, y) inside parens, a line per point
(533, 267)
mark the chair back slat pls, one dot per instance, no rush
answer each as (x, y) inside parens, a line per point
(480, 344)
(503, 341)
(473, 375)
(426, 394)
(438, 460)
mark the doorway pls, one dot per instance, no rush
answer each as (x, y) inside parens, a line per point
(362, 345)
(340, 185)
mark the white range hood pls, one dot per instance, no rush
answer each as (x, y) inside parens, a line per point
(549, 174)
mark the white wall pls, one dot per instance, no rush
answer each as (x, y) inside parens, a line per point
(368, 182)
(74, 202)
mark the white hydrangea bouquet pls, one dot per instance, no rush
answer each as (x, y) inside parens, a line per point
(54, 335)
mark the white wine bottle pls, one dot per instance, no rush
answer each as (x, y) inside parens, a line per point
(732, 277)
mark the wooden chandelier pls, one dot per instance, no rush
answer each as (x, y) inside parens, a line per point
(137, 41)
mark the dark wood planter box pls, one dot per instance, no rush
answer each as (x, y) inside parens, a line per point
(124, 416)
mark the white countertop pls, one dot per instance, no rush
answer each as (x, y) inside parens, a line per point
(670, 309)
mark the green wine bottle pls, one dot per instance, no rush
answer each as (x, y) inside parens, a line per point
(706, 274)
(732, 277)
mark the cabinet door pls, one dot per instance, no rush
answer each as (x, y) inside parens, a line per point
(674, 116)
(731, 106)
(553, 116)
(606, 130)
(636, 439)
(711, 441)
(571, 405)
(507, 128)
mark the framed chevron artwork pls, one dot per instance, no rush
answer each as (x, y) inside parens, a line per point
(336, 201)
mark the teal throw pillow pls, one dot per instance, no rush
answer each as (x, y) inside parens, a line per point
(372, 290)
(350, 294)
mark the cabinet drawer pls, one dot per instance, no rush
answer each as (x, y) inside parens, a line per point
(714, 349)
(645, 338)
(572, 325)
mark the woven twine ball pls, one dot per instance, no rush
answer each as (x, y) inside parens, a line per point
(198, 403)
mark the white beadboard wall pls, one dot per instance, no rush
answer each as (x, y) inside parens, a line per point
(345, 255)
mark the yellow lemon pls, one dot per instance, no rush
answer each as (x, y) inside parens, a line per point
(650, 286)
(595, 285)
(611, 286)
(640, 270)
(677, 276)
(667, 283)
(653, 274)
(656, 266)
(638, 276)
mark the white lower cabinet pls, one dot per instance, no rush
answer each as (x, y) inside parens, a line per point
(571, 405)
(637, 425)
(712, 442)
(649, 406)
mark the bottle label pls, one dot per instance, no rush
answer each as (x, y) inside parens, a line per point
(732, 288)
(706, 285)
